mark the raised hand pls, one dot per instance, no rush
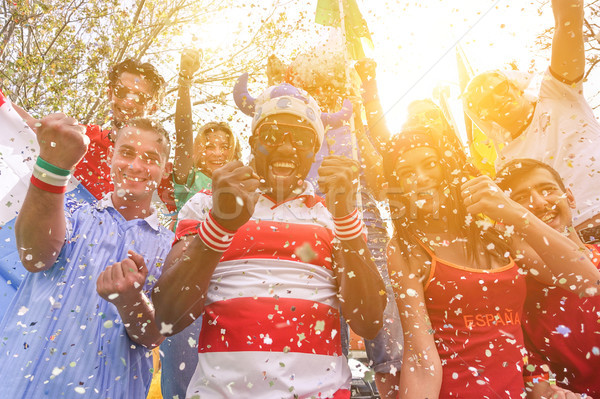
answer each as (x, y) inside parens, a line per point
(122, 282)
(190, 62)
(62, 140)
(482, 195)
(234, 194)
(338, 179)
(365, 69)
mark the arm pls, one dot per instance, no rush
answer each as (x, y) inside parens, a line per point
(375, 116)
(551, 257)
(421, 374)
(40, 228)
(184, 147)
(360, 287)
(122, 284)
(568, 54)
(181, 289)
(545, 390)
(372, 161)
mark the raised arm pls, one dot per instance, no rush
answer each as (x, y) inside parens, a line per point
(378, 128)
(568, 54)
(371, 159)
(41, 226)
(550, 256)
(361, 288)
(184, 125)
(421, 373)
(180, 292)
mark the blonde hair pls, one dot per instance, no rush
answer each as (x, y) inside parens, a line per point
(202, 138)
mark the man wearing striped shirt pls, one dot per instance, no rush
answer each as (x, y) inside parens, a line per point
(80, 323)
(272, 270)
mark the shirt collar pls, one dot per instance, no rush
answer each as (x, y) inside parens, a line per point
(106, 202)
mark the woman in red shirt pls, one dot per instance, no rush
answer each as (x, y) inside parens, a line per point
(459, 281)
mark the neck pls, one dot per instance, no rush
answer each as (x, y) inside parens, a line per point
(131, 209)
(527, 117)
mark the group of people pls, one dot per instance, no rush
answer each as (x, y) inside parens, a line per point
(487, 288)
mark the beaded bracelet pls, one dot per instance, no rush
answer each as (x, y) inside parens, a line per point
(348, 227)
(215, 236)
(50, 178)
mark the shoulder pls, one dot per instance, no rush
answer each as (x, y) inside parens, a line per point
(197, 207)
(554, 88)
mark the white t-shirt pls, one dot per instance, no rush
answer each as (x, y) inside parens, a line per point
(564, 134)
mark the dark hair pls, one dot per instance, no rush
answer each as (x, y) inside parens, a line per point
(456, 170)
(152, 126)
(145, 70)
(519, 168)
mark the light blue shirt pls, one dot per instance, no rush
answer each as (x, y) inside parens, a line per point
(59, 338)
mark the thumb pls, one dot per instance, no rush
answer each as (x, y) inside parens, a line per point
(139, 261)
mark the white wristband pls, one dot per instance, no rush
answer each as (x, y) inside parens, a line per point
(215, 236)
(348, 227)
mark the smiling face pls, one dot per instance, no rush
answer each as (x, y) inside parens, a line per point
(282, 157)
(491, 97)
(138, 163)
(420, 177)
(215, 152)
(539, 192)
(130, 97)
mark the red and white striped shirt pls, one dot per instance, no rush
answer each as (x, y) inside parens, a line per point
(271, 320)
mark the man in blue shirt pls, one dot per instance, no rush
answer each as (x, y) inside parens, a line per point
(81, 322)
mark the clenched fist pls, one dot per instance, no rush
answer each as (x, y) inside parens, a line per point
(62, 140)
(338, 179)
(122, 282)
(234, 194)
(190, 62)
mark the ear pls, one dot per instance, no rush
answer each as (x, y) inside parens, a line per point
(570, 199)
(167, 169)
(109, 156)
(152, 110)
(109, 93)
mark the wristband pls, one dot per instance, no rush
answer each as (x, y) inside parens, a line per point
(50, 178)
(215, 236)
(348, 227)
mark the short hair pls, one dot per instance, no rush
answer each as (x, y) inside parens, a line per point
(152, 126)
(201, 139)
(517, 169)
(136, 67)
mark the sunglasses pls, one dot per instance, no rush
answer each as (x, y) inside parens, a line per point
(488, 101)
(272, 134)
(122, 92)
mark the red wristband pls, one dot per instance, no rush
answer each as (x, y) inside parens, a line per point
(348, 227)
(215, 236)
(48, 187)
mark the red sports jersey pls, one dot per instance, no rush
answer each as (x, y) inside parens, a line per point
(476, 315)
(562, 330)
(93, 171)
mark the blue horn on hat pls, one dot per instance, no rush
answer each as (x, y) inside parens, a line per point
(336, 119)
(242, 98)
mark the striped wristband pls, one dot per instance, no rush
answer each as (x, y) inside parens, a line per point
(50, 178)
(348, 227)
(215, 236)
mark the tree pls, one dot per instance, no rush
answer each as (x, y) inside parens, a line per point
(55, 53)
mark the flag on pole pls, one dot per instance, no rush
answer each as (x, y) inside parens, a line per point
(482, 148)
(356, 30)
